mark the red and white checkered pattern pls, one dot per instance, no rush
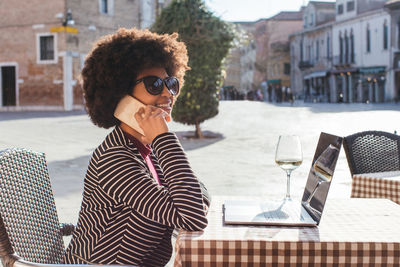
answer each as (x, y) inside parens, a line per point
(376, 185)
(352, 232)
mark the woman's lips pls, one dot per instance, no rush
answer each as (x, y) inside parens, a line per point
(166, 107)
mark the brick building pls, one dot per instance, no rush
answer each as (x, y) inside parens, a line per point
(240, 60)
(44, 44)
(272, 64)
(278, 62)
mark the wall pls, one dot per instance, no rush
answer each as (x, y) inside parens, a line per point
(378, 56)
(268, 32)
(38, 84)
(280, 56)
(309, 38)
(348, 14)
(47, 85)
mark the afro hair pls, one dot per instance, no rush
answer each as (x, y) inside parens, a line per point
(111, 68)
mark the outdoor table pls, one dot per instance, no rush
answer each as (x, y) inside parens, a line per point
(352, 232)
(377, 185)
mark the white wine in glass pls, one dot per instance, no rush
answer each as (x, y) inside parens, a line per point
(323, 168)
(288, 156)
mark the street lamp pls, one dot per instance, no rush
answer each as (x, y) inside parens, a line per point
(68, 19)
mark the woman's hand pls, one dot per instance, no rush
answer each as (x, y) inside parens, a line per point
(153, 122)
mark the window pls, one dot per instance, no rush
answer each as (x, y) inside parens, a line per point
(106, 7)
(398, 34)
(368, 39)
(340, 48)
(340, 9)
(317, 51)
(305, 22)
(352, 47)
(46, 48)
(350, 6)
(328, 46)
(301, 51)
(312, 19)
(346, 48)
(385, 36)
(286, 68)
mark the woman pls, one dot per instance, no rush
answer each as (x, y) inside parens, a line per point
(137, 188)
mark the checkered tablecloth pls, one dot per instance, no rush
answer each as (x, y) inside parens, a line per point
(352, 232)
(377, 185)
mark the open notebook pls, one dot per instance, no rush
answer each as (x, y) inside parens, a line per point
(293, 213)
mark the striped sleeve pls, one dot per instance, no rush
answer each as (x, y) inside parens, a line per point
(179, 204)
(206, 197)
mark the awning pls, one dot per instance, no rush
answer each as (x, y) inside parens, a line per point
(372, 70)
(315, 75)
(344, 70)
(274, 81)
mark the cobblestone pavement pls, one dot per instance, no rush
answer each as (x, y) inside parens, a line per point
(238, 161)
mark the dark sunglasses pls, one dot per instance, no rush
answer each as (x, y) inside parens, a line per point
(155, 85)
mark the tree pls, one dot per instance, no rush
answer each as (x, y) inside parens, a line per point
(208, 40)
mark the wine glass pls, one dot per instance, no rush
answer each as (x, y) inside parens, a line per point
(288, 156)
(323, 168)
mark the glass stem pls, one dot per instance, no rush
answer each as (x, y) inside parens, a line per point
(313, 192)
(288, 184)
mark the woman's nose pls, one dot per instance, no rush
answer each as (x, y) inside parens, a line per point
(165, 91)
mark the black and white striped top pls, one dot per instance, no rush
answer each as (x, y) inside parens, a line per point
(126, 217)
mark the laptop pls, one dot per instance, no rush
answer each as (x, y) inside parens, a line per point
(308, 212)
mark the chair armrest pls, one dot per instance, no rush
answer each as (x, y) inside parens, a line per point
(13, 260)
(67, 229)
(22, 263)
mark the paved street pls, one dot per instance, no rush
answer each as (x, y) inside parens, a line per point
(240, 161)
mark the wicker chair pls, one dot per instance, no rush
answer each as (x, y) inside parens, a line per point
(30, 233)
(372, 151)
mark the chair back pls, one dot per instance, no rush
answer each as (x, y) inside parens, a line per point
(29, 225)
(372, 151)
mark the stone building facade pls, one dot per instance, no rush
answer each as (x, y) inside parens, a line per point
(350, 58)
(44, 46)
(361, 52)
(264, 55)
(311, 53)
(239, 65)
(272, 54)
(393, 7)
(278, 54)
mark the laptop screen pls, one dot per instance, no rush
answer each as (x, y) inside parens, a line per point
(320, 175)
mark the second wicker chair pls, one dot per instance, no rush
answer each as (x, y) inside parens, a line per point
(372, 151)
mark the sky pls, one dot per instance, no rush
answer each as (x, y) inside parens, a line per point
(252, 10)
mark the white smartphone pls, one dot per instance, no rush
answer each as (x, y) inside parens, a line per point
(126, 110)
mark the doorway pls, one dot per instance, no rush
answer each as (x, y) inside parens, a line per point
(8, 86)
(397, 86)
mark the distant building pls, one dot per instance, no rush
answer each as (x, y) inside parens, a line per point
(247, 63)
(278, 53)
(361, 52)
(240, 61)
(44, 46)
(264, 53)
(348, 58)
(272, 48)
(393, 7)
(311, 53)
